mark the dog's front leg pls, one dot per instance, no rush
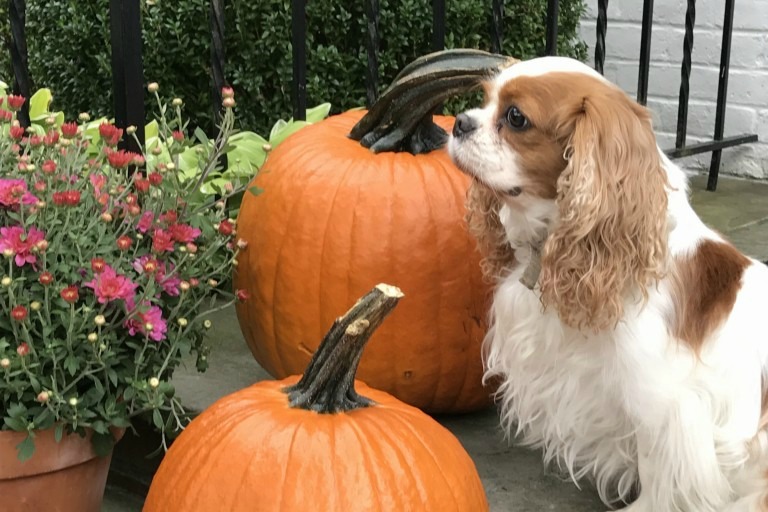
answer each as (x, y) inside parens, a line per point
(678, 462)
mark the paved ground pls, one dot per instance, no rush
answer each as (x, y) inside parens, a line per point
(514, 478)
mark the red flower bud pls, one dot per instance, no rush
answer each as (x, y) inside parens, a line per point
(49, 167)
(98, 264)
(17, 132)
(225, 228)
(69, 130)
(124, 243)
(19, 313)
(70, 294)
(45, 278)
(51, 138)
(155, 178)
(178, 135)
(242, 295)
(15, 102)
(22, 349)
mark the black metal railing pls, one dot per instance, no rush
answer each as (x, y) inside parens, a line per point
(127, 68)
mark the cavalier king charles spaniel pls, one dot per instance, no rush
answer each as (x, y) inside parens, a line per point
(629, 340)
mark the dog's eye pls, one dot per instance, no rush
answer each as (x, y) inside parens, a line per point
(516, 119)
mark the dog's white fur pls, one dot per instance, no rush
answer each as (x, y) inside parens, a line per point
(629, 407)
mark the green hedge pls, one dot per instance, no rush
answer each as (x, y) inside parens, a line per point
(70, 51)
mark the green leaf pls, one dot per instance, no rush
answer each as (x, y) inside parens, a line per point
(71, 364)
(112, 374)
(277, 127)
(255, 190)
(157, 419)
(151, 130)
(289, 129)
(17, 424)
(318, 113)
(59, 432)
(102, 443)
(39, 103)
(26, 448)
(120, 422)
(201, 136)
(128, 394)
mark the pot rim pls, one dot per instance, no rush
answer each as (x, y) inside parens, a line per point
(49, 455)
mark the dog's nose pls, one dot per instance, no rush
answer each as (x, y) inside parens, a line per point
(463, 125)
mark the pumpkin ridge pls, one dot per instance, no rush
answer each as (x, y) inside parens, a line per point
(468, 241)
(371, 456)
(323, 247)
(275, 302)
(283, 484)
(438, 468)
(434, 232)
(405, 465)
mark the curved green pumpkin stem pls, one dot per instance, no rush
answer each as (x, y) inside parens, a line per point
(401, 119)
(328, 383)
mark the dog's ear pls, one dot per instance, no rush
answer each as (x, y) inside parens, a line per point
(611, 236)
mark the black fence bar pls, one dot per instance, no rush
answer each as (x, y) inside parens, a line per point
(438, 25)
(17, 10)
(685, 75)
(497, 26)
(711, 145)
(372, 47)
(299, 50)
(553, 14)
(127, 68)
(218, 56)
(602, 27)
(722, 93)
(645, 52)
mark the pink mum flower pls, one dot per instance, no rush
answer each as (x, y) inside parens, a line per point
(183, 233)
(149, 322)
(169, 283)
(162, 241)
(145, 222)
(14, 193)
(21, 243)
(109, 285)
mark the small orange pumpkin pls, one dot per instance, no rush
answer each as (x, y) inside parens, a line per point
(335, 216)
(315, 444)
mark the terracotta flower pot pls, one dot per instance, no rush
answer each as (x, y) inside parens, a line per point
(60, 477)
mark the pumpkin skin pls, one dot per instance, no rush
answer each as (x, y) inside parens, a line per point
(333, 219)
(250, 452)
(323, 442)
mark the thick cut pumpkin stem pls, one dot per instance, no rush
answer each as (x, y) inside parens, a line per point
(328, 383)
(401, 119)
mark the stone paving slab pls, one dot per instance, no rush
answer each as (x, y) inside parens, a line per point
(514, 478)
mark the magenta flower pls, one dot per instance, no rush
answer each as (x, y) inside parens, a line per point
(15, 193)
(145, 222)
(183, 233)
(162, 241)
(21, 243)
(169, 283)
(109, 285)
(98, 181)
(149, 322)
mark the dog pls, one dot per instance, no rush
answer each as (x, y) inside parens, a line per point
(636, 357)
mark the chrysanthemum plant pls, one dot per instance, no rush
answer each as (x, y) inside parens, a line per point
(107, 278)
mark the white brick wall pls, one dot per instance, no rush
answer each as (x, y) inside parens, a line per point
(747, 87)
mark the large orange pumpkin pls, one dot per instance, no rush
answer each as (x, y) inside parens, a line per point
(335, 217)
(314, 444)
